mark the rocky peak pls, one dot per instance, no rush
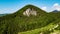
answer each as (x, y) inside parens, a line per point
(29, 12)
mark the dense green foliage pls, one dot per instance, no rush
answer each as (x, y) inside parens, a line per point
(17, 22)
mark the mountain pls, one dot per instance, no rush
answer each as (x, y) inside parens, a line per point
(55, 11)
(55, 14)
(27, 18)
(2, 15)
(30, 7)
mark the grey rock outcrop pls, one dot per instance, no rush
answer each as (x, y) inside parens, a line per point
(29, 12)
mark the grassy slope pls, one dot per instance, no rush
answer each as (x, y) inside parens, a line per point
(36, 31)
(45, 29)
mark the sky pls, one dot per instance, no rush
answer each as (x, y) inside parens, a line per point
(11, 6)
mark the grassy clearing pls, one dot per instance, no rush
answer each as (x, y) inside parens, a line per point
(55, 32)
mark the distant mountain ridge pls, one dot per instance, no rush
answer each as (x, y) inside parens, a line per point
(55, 11)
(2, 15)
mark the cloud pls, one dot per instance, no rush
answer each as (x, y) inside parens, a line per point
(56, 6)
(44, 8)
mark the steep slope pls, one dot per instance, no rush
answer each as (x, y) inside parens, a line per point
(28, 18)
(33, 21)
(45, 30)
(39, 11)
(52, 28)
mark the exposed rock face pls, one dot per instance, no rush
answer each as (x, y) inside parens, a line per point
(29, 12)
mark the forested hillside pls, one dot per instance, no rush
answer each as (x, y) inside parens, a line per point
(21, 21)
